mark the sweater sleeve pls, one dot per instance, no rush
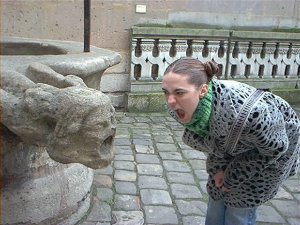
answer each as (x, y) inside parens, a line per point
(214, 163)
(266, 131)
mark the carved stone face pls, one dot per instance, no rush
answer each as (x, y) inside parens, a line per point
(85, 133)
(76, 124)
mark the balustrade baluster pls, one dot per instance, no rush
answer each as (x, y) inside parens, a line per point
(189, 50)
(205, 49)
(173, 49)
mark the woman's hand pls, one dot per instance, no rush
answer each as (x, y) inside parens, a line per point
(219, 181)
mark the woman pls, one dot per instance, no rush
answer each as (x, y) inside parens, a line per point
(252, 138)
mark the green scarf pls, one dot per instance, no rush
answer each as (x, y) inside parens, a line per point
(199, 123)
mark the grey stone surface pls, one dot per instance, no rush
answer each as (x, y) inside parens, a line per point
(182, 178)
(193, 220)
(127, 202)
(294, 221)
(123, 157)
(191, 207)
(88, 223)
(124, 165)
(104, 171)
(102, 181)
(122, 141)
(283, 194)
(147, 149)
(289, 208)
(125, 188)
(163, 138)
(176, 166)
(165, 147)
(192, 154)
(117, 100)
(140, 125)
(105, 194)
(100, 212)
(115, 83)
(198, 164)
(185, 191)
(126, 150)
(201, 174)
(150, 169)
(138, 133)
(123, 175)
(152, 182)
(155, 197)
(293, 185)
(122, 133)
(160, 215)
(203, 186)
(170, 156)
(297, 196)
(144, 141)
(268, 214)
(128, 218)
(147, 158)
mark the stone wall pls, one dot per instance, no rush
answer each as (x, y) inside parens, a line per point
(111, 21)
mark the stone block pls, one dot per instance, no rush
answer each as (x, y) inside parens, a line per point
(137, 102)
(118, 100)
(146, 102)
(115, 83)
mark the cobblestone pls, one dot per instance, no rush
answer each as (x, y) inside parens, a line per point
(156, 179)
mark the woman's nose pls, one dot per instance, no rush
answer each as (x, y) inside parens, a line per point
(171, 100)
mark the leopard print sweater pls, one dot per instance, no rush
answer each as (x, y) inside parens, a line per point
(266, 154)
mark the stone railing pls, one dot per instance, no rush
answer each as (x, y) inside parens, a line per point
(271, 58)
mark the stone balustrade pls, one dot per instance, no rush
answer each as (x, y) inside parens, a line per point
(271, 58)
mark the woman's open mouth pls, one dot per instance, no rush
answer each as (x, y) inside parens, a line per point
(180, 113)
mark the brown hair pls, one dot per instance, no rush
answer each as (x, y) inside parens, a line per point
(198, 72)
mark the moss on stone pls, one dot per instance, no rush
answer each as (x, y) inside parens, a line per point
(155, 102)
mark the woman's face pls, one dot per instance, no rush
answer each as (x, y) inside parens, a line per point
(181, 96)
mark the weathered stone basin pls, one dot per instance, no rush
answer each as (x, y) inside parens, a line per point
(30, 48)
(56, 128)
(64, 57)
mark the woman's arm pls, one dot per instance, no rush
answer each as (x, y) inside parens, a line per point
(266, 130)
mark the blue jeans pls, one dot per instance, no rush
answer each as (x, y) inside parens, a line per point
(219, 214)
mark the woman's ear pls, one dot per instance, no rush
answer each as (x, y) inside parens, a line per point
(203, 90)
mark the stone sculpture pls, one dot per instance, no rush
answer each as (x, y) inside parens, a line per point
(56, 128)
(74, 122)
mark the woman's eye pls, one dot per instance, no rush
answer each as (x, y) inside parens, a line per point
(179, 93)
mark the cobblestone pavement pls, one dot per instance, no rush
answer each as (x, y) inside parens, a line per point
(156, 179)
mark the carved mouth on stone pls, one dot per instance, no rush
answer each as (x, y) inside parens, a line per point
(108, 141)
(105, 150)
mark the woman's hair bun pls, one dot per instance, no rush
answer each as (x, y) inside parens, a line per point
(211, 68)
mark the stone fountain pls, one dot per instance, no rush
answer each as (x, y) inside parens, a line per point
(57, 127)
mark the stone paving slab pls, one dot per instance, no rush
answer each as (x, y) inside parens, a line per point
(156, 179)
